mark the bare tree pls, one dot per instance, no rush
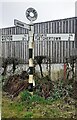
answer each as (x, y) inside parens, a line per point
(7, 61)
(39, 60)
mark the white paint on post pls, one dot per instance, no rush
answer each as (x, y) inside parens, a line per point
(30, 78)
(31, 62)
(31, 46)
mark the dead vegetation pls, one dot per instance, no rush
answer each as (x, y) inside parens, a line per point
(16, 83)
(51, 99)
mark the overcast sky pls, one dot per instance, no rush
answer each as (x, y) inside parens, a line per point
(47, 10)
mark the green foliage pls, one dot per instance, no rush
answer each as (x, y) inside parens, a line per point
(17, 106)
(25, 96)
(22, 110)
(28, 98)
(37, 99)
(61, 89)
(28, 115)
(58, 89)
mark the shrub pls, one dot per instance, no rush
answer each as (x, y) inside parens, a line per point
(38, 99)
(25, 96)
(28, 98)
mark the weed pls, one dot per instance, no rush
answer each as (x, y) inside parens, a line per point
(28, 115)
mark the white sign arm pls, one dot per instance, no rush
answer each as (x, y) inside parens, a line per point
(21, 24)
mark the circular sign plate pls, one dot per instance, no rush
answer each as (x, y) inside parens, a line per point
(31, 14)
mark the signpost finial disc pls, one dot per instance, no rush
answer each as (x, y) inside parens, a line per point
(34, 15)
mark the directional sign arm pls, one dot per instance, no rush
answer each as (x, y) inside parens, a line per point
(21, 24)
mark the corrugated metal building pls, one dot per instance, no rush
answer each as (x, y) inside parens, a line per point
(54, 39)
(56, 26)
(76, 8)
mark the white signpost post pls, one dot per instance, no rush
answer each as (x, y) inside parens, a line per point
(31, 15)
